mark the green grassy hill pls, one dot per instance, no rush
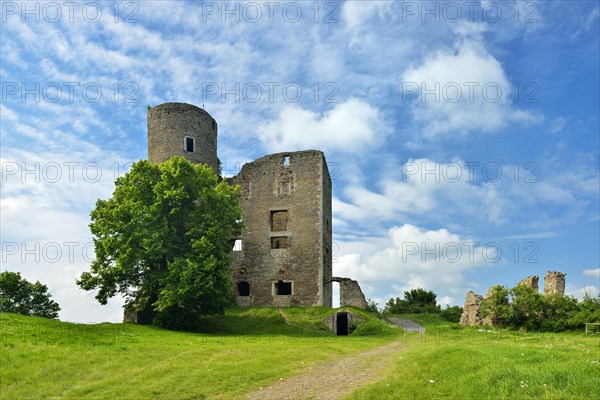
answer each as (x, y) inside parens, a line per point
(235, 354)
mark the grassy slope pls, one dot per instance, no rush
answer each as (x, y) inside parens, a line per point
(42, 358)
(490, 364)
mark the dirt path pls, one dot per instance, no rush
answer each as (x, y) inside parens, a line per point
(335, 378)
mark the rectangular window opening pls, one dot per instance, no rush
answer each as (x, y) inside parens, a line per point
(283, 288)
(279, 220)
(286, 161)
(279, 242)
(189, 144)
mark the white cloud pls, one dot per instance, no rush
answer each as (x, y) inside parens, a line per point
(581, 292)
(348, 127)
(460, 90)
(419, 187)
(412, 257)
(355, 13)
(592, 273)
(446, 301)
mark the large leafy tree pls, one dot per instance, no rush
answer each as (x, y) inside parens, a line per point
(163, 241)
(18, 295)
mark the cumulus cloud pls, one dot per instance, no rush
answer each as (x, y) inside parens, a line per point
(414, 257)
(355, 13)
(421, 186)
(592, 273)
(581, 292)
(461, 89)
(348, 127)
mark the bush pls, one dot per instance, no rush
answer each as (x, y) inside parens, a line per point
(523, 308)
(452, 314)
(372, 306)
(588, 311)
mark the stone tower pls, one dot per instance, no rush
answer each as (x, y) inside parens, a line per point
(179, 129)
(554, 283)
(284, 256)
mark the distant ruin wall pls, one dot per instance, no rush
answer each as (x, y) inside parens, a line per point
(531, 281)
(350, 293)
(554, 283)
(472, 309)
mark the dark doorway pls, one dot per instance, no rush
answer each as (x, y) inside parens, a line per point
(243, 289)
(341, 324)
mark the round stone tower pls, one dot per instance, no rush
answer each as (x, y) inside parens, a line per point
(180, 129)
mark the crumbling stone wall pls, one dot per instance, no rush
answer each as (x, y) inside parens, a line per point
(350, 293)
(284, 256)
(531, 281)
(286, 200)
(554, 283)
(472, 309)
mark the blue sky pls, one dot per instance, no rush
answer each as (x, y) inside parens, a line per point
(463, 137)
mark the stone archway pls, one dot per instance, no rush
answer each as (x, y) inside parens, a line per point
(350, 293)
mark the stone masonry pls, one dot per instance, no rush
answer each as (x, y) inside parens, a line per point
(554, 283)
(471, 310)
(284, 255)
(531, 281)
(350, 293)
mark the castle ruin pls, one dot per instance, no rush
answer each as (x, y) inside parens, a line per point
(284, 255)
(554, 284)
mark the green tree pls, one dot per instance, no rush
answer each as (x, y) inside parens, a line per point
(163, 241)
(497, 306)
(17, 295)
(416, 301)
(452, 314)
(588, 311)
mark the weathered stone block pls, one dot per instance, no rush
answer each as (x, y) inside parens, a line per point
(554, 283)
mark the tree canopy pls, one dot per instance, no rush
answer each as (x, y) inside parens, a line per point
(163, 241)
(523, 307)
(18, 295)
(415, 301)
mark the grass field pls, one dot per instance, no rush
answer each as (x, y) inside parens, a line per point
(239, 352)
(250, 348)
(454, 363)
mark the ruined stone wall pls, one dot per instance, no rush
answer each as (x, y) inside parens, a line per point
(326, 228)
(168, 126)
(286, 187)
(350, 293)
(554, 283)
(531, 281)
(471, 310)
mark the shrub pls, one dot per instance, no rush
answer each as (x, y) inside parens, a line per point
(452, 314)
